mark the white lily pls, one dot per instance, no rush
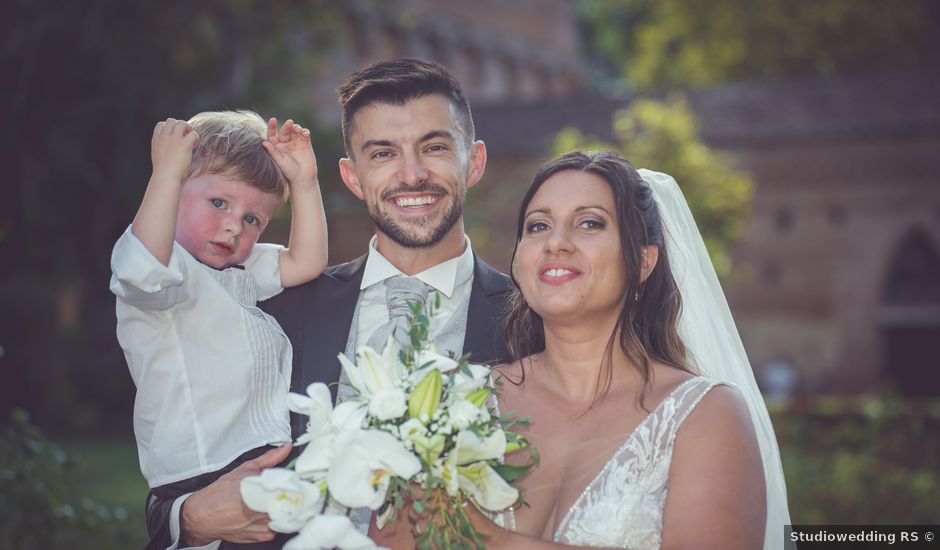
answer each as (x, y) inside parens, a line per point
(378, 379)
(288, 500)
(470, 447)
(487, 488)
(317, 405)
(464, 384)
(373, 371)
(324, 424)
(426, 360)
(369, 459)
(330, 531)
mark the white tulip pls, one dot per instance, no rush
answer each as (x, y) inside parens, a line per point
(288, 500)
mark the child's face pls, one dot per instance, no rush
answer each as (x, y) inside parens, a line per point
(219, 219)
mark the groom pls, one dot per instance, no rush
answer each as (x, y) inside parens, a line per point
(412, 156)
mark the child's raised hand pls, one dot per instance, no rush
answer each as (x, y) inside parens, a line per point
(172, 147)
(291, 150)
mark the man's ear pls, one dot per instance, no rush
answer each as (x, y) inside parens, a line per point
(347, 171)
(477, 163)
(650, 256)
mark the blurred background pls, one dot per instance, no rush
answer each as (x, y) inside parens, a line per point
(806, 135)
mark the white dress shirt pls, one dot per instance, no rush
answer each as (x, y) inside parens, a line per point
(212, 370)
(453, 279)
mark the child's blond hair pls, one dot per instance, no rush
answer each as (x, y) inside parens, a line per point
(230, 145)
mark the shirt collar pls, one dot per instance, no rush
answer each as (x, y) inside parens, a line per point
(443, 277)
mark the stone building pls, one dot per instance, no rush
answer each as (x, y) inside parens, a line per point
(838, 277)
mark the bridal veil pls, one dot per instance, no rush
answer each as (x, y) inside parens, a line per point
(712, 339)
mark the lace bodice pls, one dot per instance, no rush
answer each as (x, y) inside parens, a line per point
(623, 506)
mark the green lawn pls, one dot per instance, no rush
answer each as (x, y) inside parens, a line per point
(106, 471)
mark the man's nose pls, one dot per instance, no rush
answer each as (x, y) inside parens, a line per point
(412, 170)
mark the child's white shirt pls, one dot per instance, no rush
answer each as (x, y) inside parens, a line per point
(212, 370)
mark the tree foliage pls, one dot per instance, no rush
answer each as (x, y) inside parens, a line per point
(662, 136)
(84, 84)
(662, 43)
(38, 508)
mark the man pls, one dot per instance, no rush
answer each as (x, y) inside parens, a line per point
(412, 156)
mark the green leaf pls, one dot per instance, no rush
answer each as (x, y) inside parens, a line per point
(511, 473)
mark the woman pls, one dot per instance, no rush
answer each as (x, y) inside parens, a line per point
(648, 439)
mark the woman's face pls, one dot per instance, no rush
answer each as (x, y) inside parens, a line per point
(569, 262)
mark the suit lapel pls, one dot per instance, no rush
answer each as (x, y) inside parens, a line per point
(488, 300)
(327, 326)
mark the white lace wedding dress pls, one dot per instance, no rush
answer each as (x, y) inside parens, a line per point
(623, 506)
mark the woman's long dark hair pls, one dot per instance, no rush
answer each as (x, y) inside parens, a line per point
(646, 328)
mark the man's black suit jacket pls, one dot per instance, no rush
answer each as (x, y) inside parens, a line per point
(317, 317)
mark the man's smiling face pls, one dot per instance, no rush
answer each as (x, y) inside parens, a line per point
(412, 165)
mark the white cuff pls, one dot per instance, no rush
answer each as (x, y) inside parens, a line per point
(175, 528)
(141, 280)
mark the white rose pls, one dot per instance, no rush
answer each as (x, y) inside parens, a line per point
(388, 403)
(412, 429)
(463, 413)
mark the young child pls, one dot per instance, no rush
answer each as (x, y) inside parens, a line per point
(212, 370)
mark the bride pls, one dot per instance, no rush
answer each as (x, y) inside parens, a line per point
(644, 410)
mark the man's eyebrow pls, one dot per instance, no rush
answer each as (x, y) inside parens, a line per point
(375, 143)
(436, 134)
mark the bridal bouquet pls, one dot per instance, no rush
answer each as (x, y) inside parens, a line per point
(417, 439)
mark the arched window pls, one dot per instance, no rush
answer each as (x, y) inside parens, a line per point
(914, 272)
(911, 315)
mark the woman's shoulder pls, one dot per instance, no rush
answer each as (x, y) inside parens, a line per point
(716, 412)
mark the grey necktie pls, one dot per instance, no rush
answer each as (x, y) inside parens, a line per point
(400, 293)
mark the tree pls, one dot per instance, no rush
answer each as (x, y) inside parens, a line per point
(663, 43)
(84, 84)
(663, 136)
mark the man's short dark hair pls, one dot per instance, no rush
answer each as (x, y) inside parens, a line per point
(396, 82)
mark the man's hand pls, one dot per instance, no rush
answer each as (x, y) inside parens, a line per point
(291, 150)
(217, 512)
(171, 149)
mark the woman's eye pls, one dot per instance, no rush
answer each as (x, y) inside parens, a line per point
(536, 227)
(592, 224)
(251, 220)
(218, 203)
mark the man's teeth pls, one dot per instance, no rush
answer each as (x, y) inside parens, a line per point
(415, 201)
(557, 272)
